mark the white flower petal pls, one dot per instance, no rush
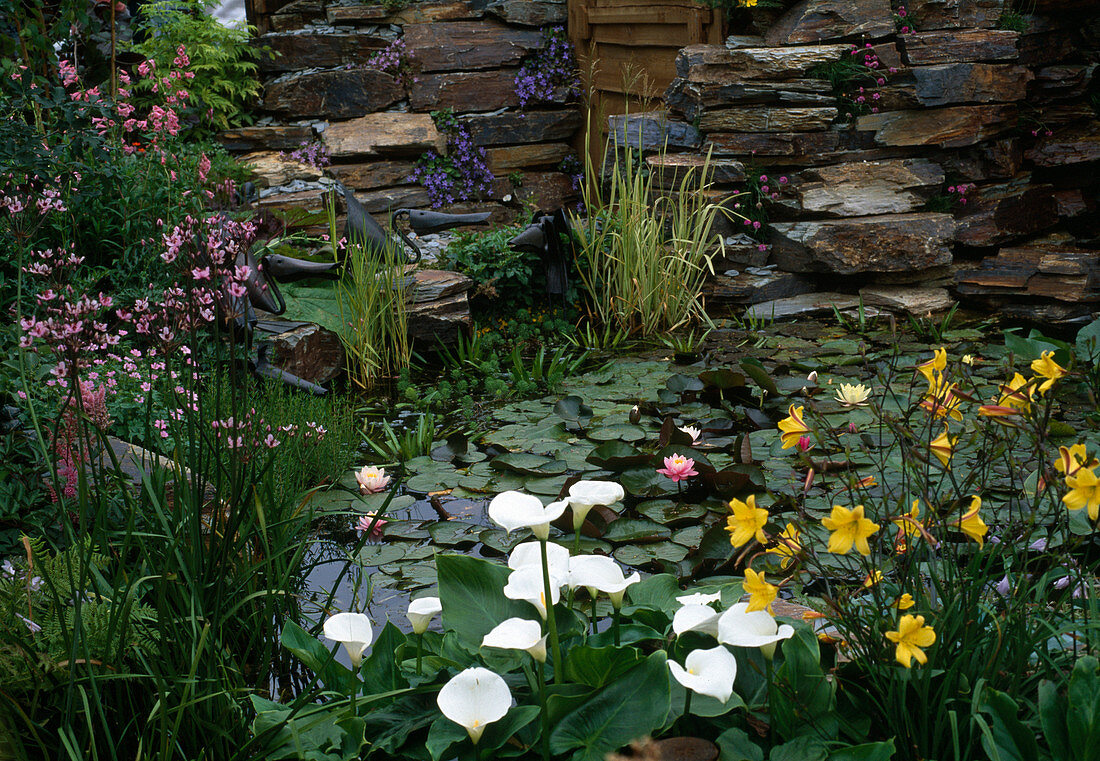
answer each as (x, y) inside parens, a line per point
(518, 634)
(530, 553)
(422, 611)
(699, 598)
(707, 672)
(473, 699)
(696, 618)
(353, 631)
(526, 583)
(756, 629)
(512, 510)
(592, 493)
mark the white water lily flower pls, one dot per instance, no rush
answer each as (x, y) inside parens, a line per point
(707, 672)
(853, 394)
(602, 573)
(422, 611)
(699, 598)
(696, 618)
(473, 699)
(757, 629)
(584, 495)
(513, 510)
(518, 634)
(526, 584)
(530, 553)
(353, 631)
(372, 480)
(693, 432)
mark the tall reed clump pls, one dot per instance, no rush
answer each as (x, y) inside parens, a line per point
(643, 255)
(372, 310)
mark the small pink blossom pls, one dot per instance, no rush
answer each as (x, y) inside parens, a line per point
(678, 468)
(364, 525)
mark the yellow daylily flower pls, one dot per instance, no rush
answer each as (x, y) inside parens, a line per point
(1017, 394)
(849, 527)
(943, 447)
(935, 366)
(788, 545)
(853, 394)
(747, 522)
(905, 602)
(941, 399)
(1072, 459)
(793, 427)
(1046, 367)
(748, 3)
(761, 593)
(872, 578)
(971, 522)
(911, 636)
(1084, 492)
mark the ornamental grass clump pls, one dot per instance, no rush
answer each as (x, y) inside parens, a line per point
(941, 542)
(643, 255)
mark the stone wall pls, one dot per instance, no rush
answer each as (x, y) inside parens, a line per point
(864, 203)
(465, 56)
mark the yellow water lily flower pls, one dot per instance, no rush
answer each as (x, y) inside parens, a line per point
(905, 602)
(971, 522)
(761, 593)
(1072, 459)
(849, 527)
(911, 636)
(793, 427)
(1084, 492)
(1046, 367)
(789, 545)
(943, 447)
(935, 366)
(747, 522)
(853, 394)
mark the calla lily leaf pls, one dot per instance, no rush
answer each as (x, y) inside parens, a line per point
(597, 666)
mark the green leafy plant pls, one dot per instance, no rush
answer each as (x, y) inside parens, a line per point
(395, 445)
(222, 59)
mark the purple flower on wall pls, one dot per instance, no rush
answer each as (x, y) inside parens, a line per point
(552, 66)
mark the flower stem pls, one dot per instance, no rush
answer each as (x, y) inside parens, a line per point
(687, 703)
(615, 624)
(544, 713)
(419, 652)
(551, 622)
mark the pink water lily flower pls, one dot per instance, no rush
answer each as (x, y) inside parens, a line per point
(678, 468)
(372, 480)
(364, 524)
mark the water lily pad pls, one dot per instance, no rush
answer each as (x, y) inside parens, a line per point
(689, 537)
(434, 481)
(475, 483)
(528, 464)
(547, 487)
(455, 533)
(616, 455)
(670, 513)
(405, 530)
(640, 555)
(373, 503)
(682, 384)
(573, 409)
(620, 432)
(374, 555)
(646, 482)
(635, 530)
(722, 378)
(503, 543)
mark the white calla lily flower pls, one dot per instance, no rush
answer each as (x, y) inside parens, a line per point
(518, 634)
(353, 631)
(699, 598)
(526, 583)
(602, 573)
(696, 618)
(473, 699)
(707, 672)
(422, 611)
(530, 554)
(512, 510)
(757, 629)
(584, 495)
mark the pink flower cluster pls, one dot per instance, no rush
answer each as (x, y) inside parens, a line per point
(868, 96)
(75, 442)
(959, 192)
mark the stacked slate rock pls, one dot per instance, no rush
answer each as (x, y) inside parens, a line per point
(375, 125)
(1012, 113)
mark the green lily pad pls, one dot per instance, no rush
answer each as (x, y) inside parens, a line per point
(455, 533)
(528, 464)
(639, 555)
(635, 530)
(690, 537)
(435, 481)
(374, 555)
(503, 543)
(646, 482)
(547, 487)
(616, 455)
(373, 503)
(405, 530)
(620, 432)
(670, 513)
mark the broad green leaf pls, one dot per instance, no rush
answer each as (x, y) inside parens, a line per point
(597, 666)
(736, 745)
(317, 658)
(880, 751)
(472, 591)
(615, 716)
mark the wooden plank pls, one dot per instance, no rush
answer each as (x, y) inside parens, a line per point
(648, 35)
(615, 61)
(640, 15)
(640, 6)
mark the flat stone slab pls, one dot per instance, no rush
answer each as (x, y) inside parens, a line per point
(388, 133)
(719, 64)
(768, 119)
(801, 306)
(960, 45)
(272, 169)
(754, 285)
(653, 131)
(955, 14)
(1074, 145)
(884, 243)
(949, 83)
(339, 94)
(953, 127)
(465, 45)
(818, 20)
(917, 301)
(863, 188)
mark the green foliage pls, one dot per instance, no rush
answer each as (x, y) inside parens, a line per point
(223, 59)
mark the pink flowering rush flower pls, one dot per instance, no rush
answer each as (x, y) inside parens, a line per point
(372, 480)
(678, 468)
